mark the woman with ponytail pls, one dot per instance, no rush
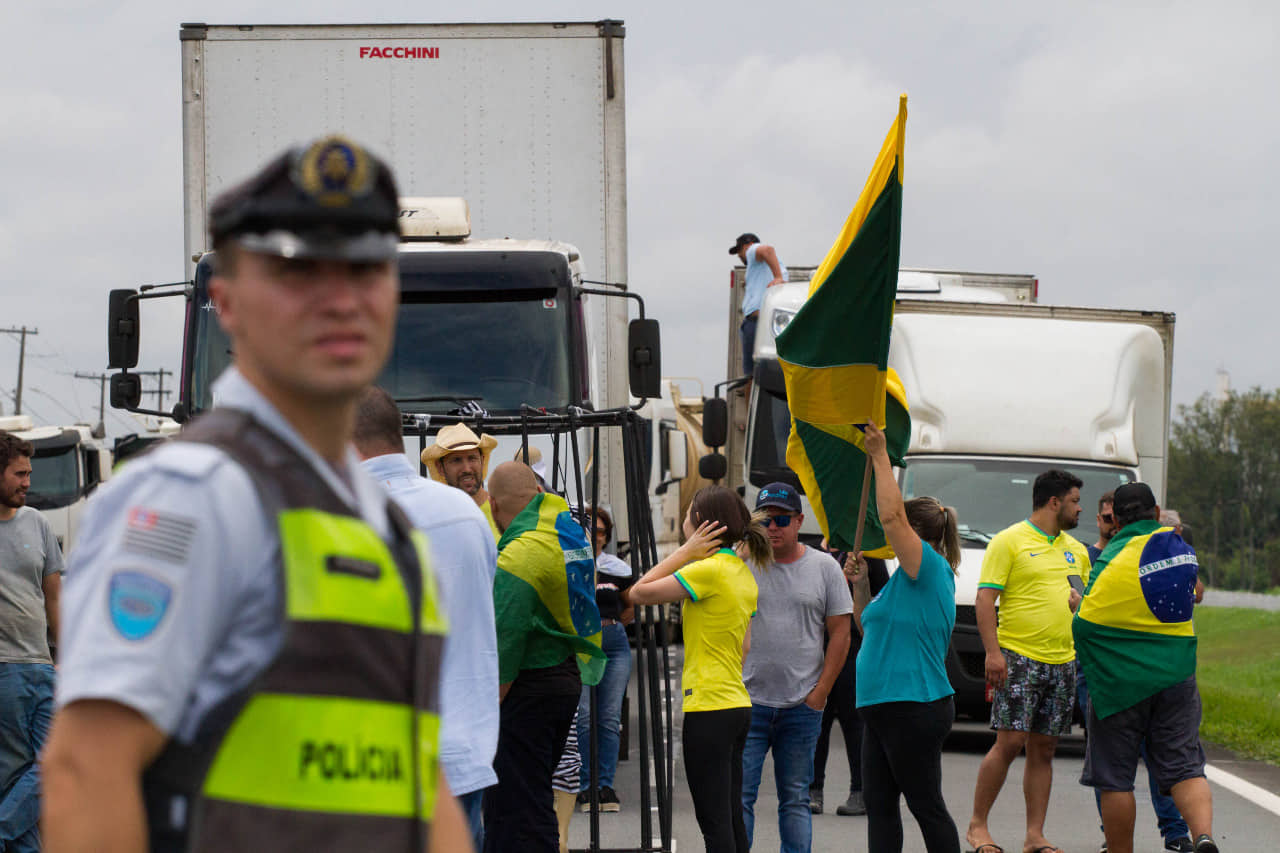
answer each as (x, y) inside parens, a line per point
(903, 693)
(721, 595)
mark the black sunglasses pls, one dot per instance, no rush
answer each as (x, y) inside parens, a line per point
(779, 520)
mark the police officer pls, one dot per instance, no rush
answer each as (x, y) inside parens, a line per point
(251, 634)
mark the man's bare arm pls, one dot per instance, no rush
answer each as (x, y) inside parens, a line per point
(52, 587)
(92, 778)
(449, 830)
(770, 257)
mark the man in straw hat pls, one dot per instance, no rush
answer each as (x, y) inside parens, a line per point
(460, 458)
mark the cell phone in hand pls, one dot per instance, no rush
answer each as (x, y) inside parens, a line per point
(1077, 583)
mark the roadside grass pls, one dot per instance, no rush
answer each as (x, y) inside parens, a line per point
(1239, 677)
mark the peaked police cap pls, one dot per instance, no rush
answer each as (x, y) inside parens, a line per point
(330, 199)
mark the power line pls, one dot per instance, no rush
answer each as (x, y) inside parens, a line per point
(22, 333)
(102, 380)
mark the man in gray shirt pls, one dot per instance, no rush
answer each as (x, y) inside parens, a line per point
(787, 672)
(30, 579)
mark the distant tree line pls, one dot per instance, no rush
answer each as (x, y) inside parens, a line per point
(1224, 478)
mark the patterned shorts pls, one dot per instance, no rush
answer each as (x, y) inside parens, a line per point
(1038, 697)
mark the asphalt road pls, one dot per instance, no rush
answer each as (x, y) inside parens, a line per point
(1240, 824)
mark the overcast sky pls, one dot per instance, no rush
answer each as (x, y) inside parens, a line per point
(1125, 153)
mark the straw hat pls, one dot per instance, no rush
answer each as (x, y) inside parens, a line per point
(455, 439)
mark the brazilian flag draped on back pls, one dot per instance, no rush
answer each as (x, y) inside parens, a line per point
(544, 593)
(835, 356)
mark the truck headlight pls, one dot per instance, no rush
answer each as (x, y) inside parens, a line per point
(781, 319)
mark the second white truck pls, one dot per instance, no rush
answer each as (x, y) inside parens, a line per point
(1000, 389)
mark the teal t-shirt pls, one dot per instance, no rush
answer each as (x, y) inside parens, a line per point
(905, 633)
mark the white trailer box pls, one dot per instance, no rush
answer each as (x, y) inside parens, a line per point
(526, 122)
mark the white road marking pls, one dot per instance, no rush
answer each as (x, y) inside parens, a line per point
(1258, 796)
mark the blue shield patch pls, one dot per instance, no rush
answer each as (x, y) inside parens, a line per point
(1071, 558)
(138, 603)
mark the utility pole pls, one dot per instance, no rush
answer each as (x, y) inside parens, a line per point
(101, 379)
(159, 392)
(22, 333)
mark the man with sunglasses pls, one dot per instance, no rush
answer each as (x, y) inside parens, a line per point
(1173, 829)
(802, 594)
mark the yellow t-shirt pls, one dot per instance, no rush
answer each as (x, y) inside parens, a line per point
(493, 525)
(723, 593)
(1030, 570)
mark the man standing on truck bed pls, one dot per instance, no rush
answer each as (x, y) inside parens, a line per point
(764, 270)
(253, 634)
(1030, 662)
(30, 580)
(460, 458)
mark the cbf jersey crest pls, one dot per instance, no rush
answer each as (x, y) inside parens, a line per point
(1167, 573)
(334, 171)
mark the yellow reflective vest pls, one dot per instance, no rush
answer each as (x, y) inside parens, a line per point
(334, 744)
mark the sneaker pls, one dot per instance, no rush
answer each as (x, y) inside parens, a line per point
(1182, 845)
(1205, 844)
(815, 801)
(609, 800)
(584, 801)
(1103, 848)
(853, 806)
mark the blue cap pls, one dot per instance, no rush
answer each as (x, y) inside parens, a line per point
(781, 495)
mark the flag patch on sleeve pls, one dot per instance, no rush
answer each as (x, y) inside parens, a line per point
(137, 603)
(163, 535)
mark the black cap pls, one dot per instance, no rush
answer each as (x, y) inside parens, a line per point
(742, 240)
(1133, 499)
(329, 199)
(781, 495)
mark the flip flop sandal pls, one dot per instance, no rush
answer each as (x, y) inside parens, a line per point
(987, 848)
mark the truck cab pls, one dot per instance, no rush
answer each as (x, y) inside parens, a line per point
(494, 323)
(68, 464)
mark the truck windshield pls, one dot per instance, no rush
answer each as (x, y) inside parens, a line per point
(485, 326)
(499, 348)
(991, 494)
(55, 478)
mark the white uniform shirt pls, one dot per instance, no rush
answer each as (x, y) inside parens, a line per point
(464, 559)
(172, 600)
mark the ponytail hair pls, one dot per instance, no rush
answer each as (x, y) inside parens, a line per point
(724, 505)
(756, 540)
(937, 526)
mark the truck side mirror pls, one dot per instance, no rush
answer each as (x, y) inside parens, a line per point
(122, 332)
(715, 423)
(126, 388)
(677, 456)
(643, 341)
(713, 466)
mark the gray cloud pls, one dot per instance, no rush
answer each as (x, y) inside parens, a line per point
(1122, 152)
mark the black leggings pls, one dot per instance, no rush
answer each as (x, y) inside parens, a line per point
(840, 706)
(713, 742)
(902, 756)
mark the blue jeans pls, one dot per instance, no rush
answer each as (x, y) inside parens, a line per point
(26, 708)
(1168, 818)
(472, 805)
(792, 734)
(609, 693)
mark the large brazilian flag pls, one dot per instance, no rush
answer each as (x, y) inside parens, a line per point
(545, 593)
(835, 356)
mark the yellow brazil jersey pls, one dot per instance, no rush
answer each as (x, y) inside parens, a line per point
(488, 516)
(1030, 569)
(723, 598)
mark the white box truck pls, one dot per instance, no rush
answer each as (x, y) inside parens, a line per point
(523, 122)
(1000, 388)
(68, 465)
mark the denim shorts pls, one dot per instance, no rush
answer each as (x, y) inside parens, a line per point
(1037, 697)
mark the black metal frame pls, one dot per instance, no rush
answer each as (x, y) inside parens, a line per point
(653, 669)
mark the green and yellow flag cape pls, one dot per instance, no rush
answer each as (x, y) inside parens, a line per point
(544, 593)
(835, 356)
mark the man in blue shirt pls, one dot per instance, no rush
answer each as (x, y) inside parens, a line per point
(764, 270)
(463, 558)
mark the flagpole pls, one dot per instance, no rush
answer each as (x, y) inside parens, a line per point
(862, 505)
